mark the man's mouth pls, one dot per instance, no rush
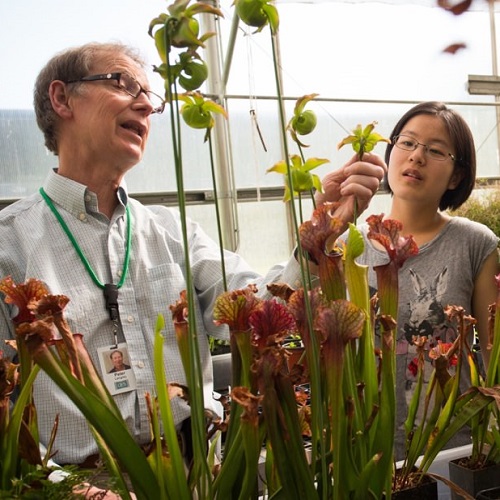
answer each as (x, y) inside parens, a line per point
(139, 129)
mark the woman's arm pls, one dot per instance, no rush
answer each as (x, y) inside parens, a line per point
(485, 293)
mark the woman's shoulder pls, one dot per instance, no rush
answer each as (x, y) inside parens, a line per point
(473, 237)
(469, 228)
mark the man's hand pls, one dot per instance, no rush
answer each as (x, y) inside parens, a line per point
(94, 493)
(355, 181)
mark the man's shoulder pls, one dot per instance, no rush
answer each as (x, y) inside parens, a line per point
(151, 210)
(19, 208)
(160, 214)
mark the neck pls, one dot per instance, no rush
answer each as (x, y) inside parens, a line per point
(422, 222)
(103, 186)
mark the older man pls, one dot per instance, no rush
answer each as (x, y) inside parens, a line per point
(120, 263)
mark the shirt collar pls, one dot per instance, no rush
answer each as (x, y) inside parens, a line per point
(76, 198)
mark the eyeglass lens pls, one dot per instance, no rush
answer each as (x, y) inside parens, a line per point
(410, 144)
(134, 88)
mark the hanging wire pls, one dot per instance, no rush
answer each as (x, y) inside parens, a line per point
(256, 133)
(488, 135)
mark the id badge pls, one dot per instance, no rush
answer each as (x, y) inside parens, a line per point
(116, 368)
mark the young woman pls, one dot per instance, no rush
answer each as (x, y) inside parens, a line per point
(431, 168)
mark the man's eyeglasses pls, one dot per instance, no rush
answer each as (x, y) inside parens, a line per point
(410, 144)
(129, 85)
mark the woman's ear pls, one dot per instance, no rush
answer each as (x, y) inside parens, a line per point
(456, 179)
(59, 98)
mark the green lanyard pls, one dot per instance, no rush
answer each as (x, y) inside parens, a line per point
(110, 290)
(79, 250)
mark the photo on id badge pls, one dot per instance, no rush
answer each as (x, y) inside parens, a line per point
(116, 368)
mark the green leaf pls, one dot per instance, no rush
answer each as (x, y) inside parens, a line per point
(312, 163)
(475, 403)
(9, 442)
(356, 244)
(113, 430)
(175, 472)
(161, 44)
(280, 168)
(273, 17)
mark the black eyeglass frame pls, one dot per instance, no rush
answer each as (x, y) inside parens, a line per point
(417, 144)
(117, 77)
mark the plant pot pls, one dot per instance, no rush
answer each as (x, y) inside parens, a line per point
(222, 372)
(473, 480)
(490, 494)
(427, 488)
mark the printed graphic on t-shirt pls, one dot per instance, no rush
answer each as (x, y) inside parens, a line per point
(426, 316)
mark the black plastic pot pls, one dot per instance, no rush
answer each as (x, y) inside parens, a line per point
(426, 489)
(490, 494)
(473, 480)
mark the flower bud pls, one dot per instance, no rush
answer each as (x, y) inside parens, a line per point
(193, 74)
(304, 123)
(185, 33)
(251, 13)
(302, 181)
(195, 117)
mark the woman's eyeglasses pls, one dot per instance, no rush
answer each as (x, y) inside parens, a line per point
(411, 144)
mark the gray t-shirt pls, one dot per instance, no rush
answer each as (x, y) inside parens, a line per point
(442, 273)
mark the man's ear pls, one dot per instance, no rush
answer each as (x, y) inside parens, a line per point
(59, 98)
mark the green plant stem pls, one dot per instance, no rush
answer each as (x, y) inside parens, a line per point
(217, 210)
(492, 374)
(233, 466)
(387, 277)
(194, 374)
(478, 423)
(241, 358)
(301, 214)
(25, 368)
(252, 444)
(236, 378)
(357, 287)
(316, 403)
(10, 441)
(281, 417)
(338, 420)
(175, 474)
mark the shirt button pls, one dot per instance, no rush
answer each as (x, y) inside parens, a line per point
(82, 217)
(139, 364)
(130, 319)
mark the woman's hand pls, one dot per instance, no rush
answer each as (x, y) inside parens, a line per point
(355, 181)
